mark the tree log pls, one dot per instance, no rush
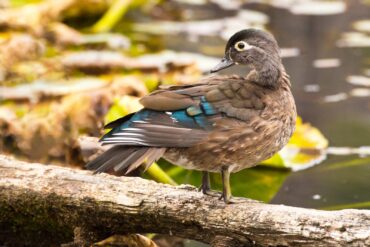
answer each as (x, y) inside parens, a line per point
(47, 205)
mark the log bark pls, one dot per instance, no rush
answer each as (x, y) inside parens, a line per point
(45, 205)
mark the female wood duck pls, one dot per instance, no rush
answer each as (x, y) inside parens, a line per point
(221, 124)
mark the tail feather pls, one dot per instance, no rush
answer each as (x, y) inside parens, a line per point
(113, 158)
(151, 155)
(122, 159)
(97, 163)
(131, 160)
(155, 154)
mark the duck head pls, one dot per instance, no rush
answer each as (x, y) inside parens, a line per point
(257, 49)
(248, 46)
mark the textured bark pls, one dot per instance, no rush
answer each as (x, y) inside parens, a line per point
(44, 205)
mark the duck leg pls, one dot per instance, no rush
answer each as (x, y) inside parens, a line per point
(226, 189)
(206, 184)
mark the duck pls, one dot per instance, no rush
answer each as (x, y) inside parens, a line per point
(221, 124)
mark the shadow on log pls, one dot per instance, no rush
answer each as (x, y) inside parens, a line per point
(49, 205)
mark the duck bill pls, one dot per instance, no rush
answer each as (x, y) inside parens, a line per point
(225, 63)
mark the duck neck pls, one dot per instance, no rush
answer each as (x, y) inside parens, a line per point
(267, 70)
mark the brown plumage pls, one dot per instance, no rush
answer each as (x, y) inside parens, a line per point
(257, 126)
(222, 124)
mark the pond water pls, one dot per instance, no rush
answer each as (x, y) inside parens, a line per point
(321, 58)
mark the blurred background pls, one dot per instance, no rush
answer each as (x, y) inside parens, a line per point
(68, 67)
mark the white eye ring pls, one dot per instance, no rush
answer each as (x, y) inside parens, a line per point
(242, 46)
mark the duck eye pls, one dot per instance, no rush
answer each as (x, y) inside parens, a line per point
(241, 46)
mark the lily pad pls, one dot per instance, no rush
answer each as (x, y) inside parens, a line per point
(359, 80)
(326, 63)
(318, 8)
(362, 26)
(354, 39)
(305, 149)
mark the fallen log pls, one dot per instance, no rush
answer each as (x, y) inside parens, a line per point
(46, 205)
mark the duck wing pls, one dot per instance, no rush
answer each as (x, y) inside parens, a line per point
(175, 117)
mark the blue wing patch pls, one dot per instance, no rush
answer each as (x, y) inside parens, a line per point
(207, 107)
(158, 128)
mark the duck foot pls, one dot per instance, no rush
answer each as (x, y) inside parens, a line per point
(227, 199)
